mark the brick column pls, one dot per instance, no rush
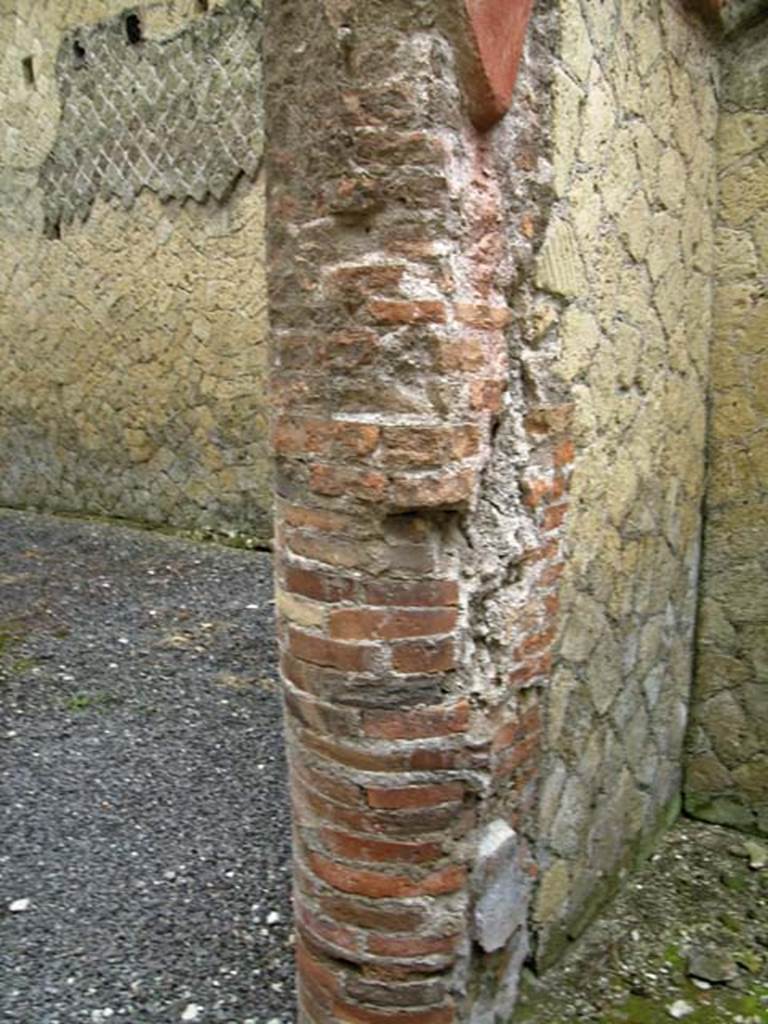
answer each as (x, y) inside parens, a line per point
(389, 369)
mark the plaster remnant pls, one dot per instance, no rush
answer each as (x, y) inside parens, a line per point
(180, 116)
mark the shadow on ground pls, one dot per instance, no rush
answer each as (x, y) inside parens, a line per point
(144, 828)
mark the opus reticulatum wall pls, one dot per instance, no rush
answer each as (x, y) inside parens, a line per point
(727, 776)
(132, 301)
(628, 256)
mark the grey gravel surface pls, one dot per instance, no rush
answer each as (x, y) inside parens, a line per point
(144, 830)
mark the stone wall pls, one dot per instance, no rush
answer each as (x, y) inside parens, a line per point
(727, 777)
(132, 300)
(627, 262)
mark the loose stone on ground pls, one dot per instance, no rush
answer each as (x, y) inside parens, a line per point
(687, 939)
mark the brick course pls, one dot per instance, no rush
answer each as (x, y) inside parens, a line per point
(390, 374)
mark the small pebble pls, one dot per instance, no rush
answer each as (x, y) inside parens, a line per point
(19, 906)
(192, 1012)
(757, 853)
(680, 1009)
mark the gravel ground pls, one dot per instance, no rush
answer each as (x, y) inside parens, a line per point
(687, 939)
(144, 829)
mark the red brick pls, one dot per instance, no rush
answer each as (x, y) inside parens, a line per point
(317, 585)
(546, 552)
(412, 946)
(338, 481)
(487, 395)
(417, 723)
(357, 439)
(393, 758)
(551, 574)
(350, 350)
(304, 675)
(536, 490)
(506, 735)
(353, 847)
(328, 933)
(292, 436)
(555, 516)
(535, 643)
(564, 453)
(328, 785)
(430, 446)
(354, 195)
(430, 490)
(319, 715)
(479, 314)
(316, 519)
(365, 624)
(447, 818)
(531, 669)
(415, 796)
(419, 594)
(408, 527)
(362, 279)
(384, 690)
(424, 656)
(517, 755)
(391, 993)
(311, 1011)
(466, 356)
(316, 974)
(428, 251)
(377, 885)
(334, 551)
(354, 1013)
(381, 916)
(320, 651)
(549, 419)
(408, 311)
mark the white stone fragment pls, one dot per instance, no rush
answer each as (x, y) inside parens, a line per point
(192, 1012)
(680, 1009)
(500, 885)
(757, 853)
(19, 906)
